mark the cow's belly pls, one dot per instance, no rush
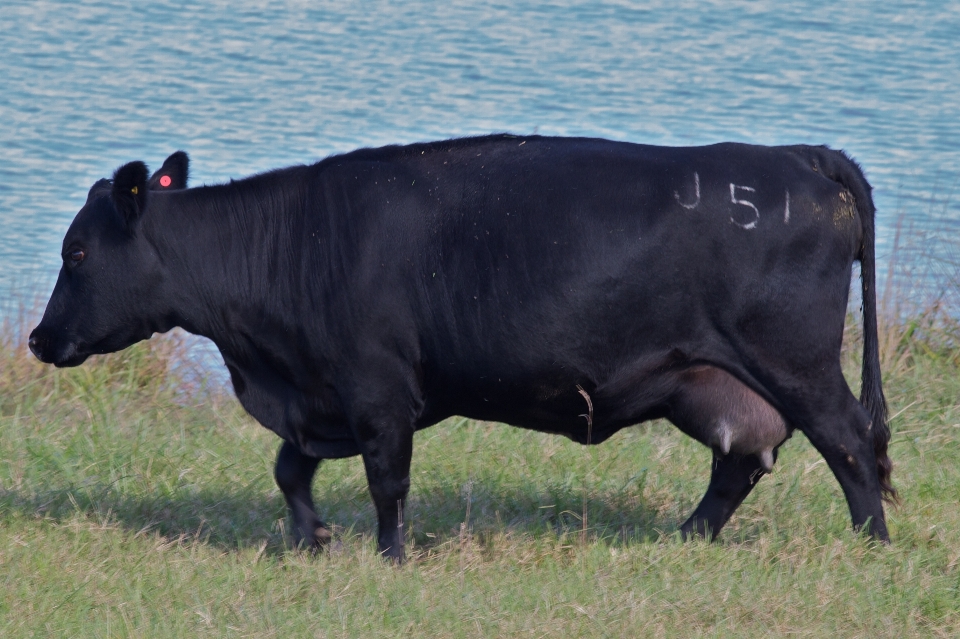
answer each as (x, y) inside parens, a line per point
(553, 404)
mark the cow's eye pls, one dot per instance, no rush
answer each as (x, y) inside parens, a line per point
(76, 256)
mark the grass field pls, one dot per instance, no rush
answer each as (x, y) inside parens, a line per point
(133, 505)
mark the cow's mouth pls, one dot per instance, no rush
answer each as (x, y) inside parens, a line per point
(74, 360)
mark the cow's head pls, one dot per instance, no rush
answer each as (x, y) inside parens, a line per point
(107, 295)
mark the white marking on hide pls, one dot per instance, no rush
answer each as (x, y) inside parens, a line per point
(786, 206)
(696, 186)
(723, 437)
(733, 198)
(766, 460)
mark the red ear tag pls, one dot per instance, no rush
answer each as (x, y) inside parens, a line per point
(165, 181)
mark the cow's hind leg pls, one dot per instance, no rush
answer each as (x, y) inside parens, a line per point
(732, 479)
(294, 474)
(842, 432)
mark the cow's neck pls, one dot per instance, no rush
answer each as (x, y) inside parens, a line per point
(231, 260)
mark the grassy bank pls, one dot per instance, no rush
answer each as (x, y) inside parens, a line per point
(131, 505)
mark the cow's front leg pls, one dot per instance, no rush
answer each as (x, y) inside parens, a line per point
(387, 448)
(732, 479)
(294, 474)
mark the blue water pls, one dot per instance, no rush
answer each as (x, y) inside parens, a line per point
(243, 87)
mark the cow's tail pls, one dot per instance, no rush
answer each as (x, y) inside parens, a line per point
(840, 168)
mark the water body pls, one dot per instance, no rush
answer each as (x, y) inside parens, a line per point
(244, 87)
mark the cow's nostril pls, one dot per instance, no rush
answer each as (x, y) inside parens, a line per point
(34, 346)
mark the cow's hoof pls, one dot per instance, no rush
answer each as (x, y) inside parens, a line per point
(315, 542)
(323, 537)
(391, 556)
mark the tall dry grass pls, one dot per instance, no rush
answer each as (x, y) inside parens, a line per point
(141, 374)
(918, 312)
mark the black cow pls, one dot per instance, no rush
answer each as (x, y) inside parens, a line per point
(504, 278)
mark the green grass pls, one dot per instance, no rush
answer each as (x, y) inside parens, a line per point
(131, 508)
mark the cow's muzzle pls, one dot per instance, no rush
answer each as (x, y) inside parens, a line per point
(34, 345)
(39, 347)
(47, 351)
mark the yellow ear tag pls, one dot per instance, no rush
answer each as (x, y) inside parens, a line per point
(134, 190)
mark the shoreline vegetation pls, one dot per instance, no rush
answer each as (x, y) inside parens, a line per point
(136, 502)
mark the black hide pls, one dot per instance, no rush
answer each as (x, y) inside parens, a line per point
(375, 293)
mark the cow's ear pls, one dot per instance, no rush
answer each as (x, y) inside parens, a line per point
(130, 190)
(98, 187)
(172, 175)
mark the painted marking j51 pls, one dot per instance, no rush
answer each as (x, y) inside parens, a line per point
(735, 200)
